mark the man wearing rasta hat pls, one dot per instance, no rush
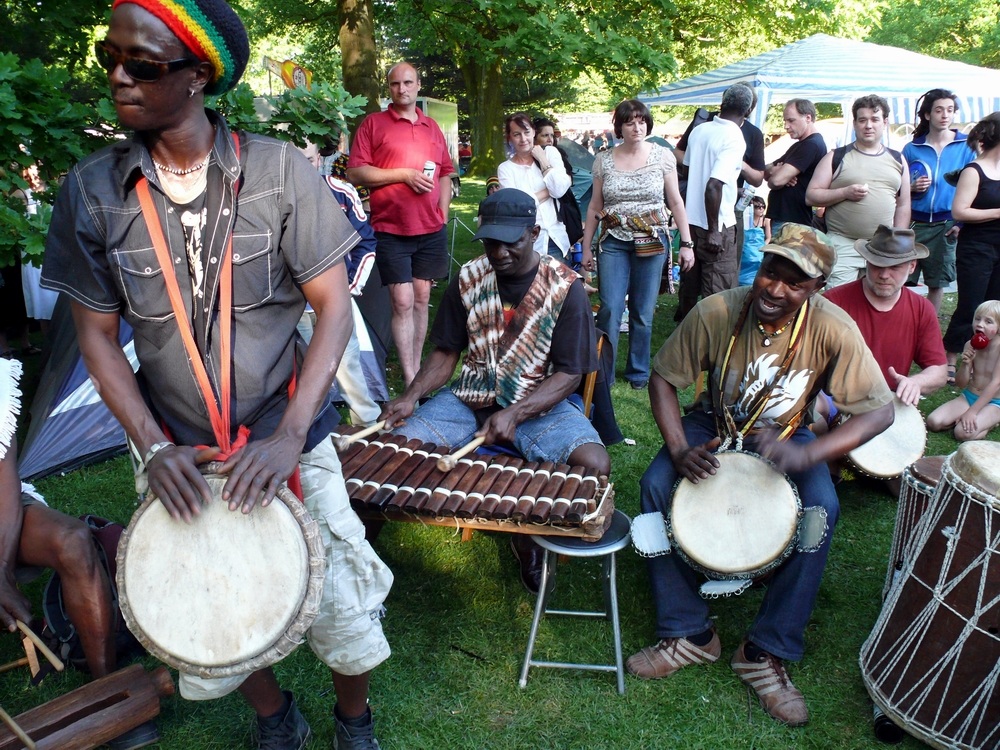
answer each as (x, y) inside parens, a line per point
(209, 244)
(767, 349)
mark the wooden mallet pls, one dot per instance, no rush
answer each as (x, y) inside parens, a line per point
(447, 463)
(342, 442)
(54, 660)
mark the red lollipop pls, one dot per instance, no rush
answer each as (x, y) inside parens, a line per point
(980, 341)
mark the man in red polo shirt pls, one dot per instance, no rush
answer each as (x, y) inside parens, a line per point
(392, 155)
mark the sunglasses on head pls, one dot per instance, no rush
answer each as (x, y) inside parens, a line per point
(138, 68)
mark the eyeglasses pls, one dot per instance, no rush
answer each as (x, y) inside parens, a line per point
(138, 68)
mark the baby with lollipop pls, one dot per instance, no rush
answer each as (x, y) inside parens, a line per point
(977, 410)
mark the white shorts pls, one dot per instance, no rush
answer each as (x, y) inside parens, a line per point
(347, 634)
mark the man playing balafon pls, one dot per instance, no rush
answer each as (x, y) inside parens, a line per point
(526, 326)
(215, 198)
(767, 349)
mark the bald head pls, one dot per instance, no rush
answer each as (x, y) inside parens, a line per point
(404, 85)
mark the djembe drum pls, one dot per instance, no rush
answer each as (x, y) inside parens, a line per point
(228, 593)
(888, 454)
(932, 661)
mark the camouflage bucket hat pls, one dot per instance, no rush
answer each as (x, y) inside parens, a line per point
(806, 247)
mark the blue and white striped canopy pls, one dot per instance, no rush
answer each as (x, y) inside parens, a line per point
(823, 68)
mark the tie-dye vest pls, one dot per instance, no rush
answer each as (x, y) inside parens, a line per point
(504, 364)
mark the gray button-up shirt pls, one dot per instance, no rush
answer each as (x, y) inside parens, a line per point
(287, 229)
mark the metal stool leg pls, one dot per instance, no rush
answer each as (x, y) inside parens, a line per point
(544, 587)
(612, 587)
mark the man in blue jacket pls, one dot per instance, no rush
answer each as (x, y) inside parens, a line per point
(935, 151)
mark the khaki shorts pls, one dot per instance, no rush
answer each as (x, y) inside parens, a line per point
(850, 266)
(347, 634)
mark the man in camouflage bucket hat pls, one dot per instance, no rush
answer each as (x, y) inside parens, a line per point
(767, 348)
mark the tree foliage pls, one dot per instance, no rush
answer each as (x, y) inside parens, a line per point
(963, 30)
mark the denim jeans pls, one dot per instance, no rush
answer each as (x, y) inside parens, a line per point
(552, 436)
(621, 272)
(779, 627)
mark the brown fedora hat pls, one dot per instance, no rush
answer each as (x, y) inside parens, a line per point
(890, 247)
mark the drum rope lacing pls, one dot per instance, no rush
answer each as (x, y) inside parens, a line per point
(914, 632)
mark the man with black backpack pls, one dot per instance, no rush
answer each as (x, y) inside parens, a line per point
(862, 185)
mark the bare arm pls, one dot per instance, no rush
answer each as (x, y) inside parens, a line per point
(819, 192)
(692, 462)
(780, 175)
(590, 221)
(754, 176)
(713, 202)
(909, 388)
(552, 390)
(257, 471)
(839, 441)
(676, 205)
(901, 217)
(13, 604)
(375, 177)
(434, 372)
(965, 193)
(173, 472)
(444, 197)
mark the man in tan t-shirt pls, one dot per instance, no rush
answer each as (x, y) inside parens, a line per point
(862, 185)
(743, 338)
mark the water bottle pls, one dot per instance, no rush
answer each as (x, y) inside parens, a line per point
(746, 195)
(676, 272)
(576, 256)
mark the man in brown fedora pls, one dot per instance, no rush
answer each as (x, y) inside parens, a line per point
(899, 326)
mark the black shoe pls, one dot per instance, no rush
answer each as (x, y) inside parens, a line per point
(291, 734)
(140, 736)
(529, 557)
(355, 738)
(638, 385)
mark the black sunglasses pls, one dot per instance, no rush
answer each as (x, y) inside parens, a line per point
(138, 68)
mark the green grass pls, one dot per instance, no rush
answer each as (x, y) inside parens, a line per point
(458, 622)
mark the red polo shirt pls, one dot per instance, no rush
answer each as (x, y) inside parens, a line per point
(389, 141)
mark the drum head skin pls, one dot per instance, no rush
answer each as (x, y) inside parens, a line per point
(738, 521)
(928, 469)
(887, 454)
(978, 463)
(218, 591)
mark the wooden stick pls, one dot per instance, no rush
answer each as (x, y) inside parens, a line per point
(29, 744)
(54, 660)
(23, 661)
(447, 463)
(343, 441)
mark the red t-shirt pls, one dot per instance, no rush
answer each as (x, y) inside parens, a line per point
(389, 141)
(907, 333)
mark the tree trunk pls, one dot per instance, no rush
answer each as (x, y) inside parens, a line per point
(483, 86)
(357, 49)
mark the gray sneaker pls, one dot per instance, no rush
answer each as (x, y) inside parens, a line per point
(355, 738)
(291, 734)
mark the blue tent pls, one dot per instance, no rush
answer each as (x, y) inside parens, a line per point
(824, 68)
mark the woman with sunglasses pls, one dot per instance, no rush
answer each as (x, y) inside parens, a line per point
(210, 243)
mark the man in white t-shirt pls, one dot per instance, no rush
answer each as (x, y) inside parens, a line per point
(714, 159)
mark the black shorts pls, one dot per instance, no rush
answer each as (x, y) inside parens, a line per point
(401, 258)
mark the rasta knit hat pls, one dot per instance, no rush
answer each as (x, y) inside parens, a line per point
(211, 30)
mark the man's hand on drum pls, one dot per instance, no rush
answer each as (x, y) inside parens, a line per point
(906, 390)
(396, 412)
(13, 604)
(174, 478)
(259, 469)
(697, 462)
(785, 454)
